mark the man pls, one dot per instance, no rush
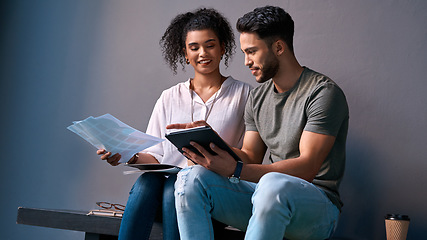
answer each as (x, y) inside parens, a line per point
(301, 116)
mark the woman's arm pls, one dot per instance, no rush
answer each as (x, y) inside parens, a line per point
(138, 158)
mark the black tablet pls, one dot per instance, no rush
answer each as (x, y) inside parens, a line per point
(203, 136)
(155, 167)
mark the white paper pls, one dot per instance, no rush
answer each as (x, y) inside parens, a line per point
(109, 133)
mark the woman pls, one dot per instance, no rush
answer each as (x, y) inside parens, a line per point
(200, 39)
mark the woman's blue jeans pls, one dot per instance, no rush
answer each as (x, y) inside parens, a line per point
(278, 206)
(150, 193)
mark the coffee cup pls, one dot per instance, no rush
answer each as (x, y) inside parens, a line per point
(396, 226)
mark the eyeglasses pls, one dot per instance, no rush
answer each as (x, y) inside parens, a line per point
(108, 205)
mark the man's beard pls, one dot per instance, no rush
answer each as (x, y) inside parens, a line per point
(270, 69)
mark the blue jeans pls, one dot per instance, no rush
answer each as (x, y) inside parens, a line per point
(149, 190)
(278, 206)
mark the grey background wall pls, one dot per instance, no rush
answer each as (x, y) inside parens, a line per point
(66, 60)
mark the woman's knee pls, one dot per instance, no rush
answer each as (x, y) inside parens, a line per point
(147, 182)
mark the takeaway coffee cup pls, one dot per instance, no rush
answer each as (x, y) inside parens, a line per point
(396, 226)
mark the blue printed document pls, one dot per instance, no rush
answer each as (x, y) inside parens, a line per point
(109, 133)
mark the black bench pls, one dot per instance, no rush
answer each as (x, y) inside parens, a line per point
(96, 227)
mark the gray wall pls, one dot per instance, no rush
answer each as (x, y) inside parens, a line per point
(66, 60)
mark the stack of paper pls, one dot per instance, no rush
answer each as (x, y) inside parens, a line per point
(109, 133)
(106, 212)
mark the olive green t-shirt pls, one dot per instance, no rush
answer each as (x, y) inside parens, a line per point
(314, 104)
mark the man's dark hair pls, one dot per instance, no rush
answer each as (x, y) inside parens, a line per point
(173, 40)
(270, 23)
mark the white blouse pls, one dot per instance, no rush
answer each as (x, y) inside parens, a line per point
(175, 106)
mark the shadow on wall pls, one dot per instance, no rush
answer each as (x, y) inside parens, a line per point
(360, 217)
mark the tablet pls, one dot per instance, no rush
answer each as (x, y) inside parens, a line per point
(155, 167)
(203, 136)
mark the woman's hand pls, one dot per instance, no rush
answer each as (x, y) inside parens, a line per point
(187, 125)
(113, 160)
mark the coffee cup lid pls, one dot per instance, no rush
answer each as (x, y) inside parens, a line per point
(397, 217)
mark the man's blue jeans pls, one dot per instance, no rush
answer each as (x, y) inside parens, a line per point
(149, 191)
(278, 206)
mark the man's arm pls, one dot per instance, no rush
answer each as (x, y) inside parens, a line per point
(253, 149)
(314, 148)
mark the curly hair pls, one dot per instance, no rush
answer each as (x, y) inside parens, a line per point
(269, 23)
(173, 40)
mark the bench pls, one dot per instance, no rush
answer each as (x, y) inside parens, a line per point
(96, 227)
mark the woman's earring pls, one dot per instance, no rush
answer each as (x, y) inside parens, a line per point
(187, 61)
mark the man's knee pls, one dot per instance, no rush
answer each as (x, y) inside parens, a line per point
(274, 183)
(275, 189)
